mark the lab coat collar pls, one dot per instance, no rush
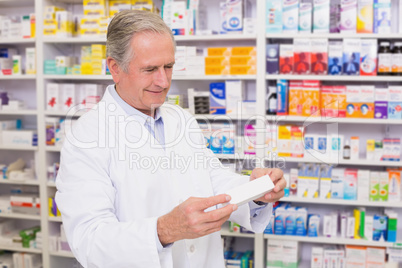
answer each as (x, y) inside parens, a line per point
(172, 116)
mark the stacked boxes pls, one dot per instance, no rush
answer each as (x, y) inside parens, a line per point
(231, 61)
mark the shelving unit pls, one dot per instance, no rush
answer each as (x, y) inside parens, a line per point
(44, 154)
(330, 240)
(341, 202)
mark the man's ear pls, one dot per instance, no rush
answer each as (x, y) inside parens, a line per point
(114, 69)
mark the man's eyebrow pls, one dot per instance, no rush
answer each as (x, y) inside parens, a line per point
(149, 67)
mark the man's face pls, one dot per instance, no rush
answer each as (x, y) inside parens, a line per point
(149, 75)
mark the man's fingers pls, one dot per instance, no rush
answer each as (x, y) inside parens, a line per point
(219, 214)
(276, 174)
(259, 172)
(208, 202)
(280, 185)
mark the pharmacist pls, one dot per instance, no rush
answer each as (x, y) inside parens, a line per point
(136, 185)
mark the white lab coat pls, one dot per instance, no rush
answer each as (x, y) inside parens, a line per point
(110, 194)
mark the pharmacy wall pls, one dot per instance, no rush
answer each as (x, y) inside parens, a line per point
(311, 87)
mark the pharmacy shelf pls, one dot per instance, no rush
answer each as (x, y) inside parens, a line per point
(340, 162)
(18, 148)
(178, 38)
(75, 40)
(20, 249)
(19, 112)
(333, 35)
(177, 77)
(225, 232)
(16, 41)
(64, 113)
(217, 37)
(65, 254)
(18, 77)
(55, 219)
(337, 241)
(342, 202)
(214, 77)
(355, 78)
(28, 182)
(53, 148)
(319, 119)
(19, 3)
(223, 117)
(20, 216)
(78, 77)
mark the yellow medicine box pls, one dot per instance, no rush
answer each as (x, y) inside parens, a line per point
(49, 27)
(89, 26)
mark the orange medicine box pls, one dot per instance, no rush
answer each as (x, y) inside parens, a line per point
(311, 98)
(219, 51)
(295, 98)
(327, 101)
(216, 60)
(244, 51)
(243, 60)
(290, 141)
(216, 70)
(339, 96)
(242, 70)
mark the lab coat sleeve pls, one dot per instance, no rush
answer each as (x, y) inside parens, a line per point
(85, 197)
(224, 180)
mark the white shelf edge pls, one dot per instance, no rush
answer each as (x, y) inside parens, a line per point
(27, 182)
(19, 216)
(215, 37)
(53, 149)
(328, 240)
(340, 162)
(319, 119)
(354, 78)
(341, 202)
(20, 249)
(74, 40)
(213, 77)
(18, 77)
(61, 254)
(19, 112)
(19, 148)
(16, 41)
(178, 38)
(77, 77)
(54, 219)
(51, 184)
(333, 35)
(234, 234)
(64, 113)
(175, 77)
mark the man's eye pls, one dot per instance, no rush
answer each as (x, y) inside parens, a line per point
(150, 70)
(169, 67)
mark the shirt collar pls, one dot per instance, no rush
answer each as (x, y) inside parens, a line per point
(131, 111)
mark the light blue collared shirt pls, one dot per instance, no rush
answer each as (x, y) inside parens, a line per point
(155, 125)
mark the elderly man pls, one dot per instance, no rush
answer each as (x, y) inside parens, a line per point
(137, 187)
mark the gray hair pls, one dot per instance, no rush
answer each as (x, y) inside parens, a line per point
(123, 28)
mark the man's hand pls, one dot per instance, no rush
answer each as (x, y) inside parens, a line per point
(189, 219)
(277, 178)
